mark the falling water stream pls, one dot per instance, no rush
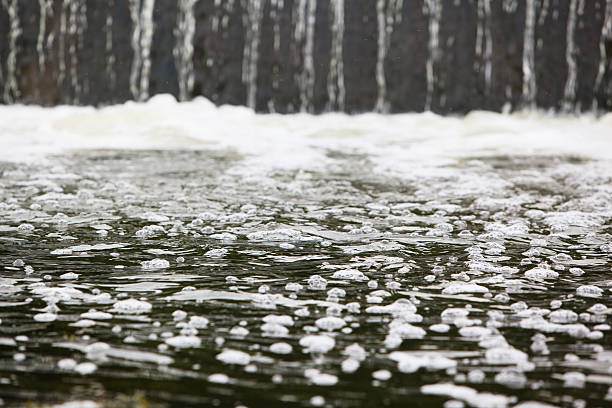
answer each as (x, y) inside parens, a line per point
(529, 75)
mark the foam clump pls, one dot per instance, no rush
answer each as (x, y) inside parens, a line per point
(469, 395)
(85, 368)
(96, 315)
(216, 253)
(198, 322)
(281, 234)
(316, 282)
(184, 341)
(229, 356)
(318, 344)
(318, 378)
(350, 274)
(591, 291)
(45, 317)
(132, 306)
(155, 264)
(541, 274)
(505, 355)
(283, 320)
(563, 316)
(330, 323)
(150, 231)
(293, 287)
(281, 348)
(408, 362)
(461, 287)
(218, 378)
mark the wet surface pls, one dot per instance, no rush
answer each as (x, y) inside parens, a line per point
(179, 278)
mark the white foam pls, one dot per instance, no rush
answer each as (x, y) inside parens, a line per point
(132, 306)
(237, 357)
(184, 341)
(298, 140)
(317, 343)
(469, 395)
(155, 264)
(281, 348)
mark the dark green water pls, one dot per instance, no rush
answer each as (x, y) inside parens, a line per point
(508, 242)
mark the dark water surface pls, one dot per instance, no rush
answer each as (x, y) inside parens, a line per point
(485, 282)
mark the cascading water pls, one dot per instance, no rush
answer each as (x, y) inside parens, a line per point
(389, 13)
(484, 43)
(236, 38)
(252, 25)
(529, 75)
(183, 50)
(569, 93)
(77, 25)
(335, 81)
(141, 12)
(276, 8)
(433, 8)
(108, 48)
(305, 19)
(604, 64)
(46, 8)
(11, 87)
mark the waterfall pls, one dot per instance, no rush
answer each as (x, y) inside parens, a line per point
(433, 9)
(484, 42)
(11, 87)
(606, 35)
(62, 43)
(46, 8)
(529, 78)
(141, 12)
(304, 36)
(276, 9)
(110, 56)
(335, 80)
(389, 12)
(569, 93)
(252, 26)
(183, 50)
(77, 24)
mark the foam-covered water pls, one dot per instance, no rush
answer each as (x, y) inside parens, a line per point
(179, 254)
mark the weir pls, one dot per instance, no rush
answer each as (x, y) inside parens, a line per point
(311, 55)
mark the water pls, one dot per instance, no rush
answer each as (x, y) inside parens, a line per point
(301, 260)
(141, 12)
(335, 82)
(569, 96)
(108, 47)
(183, 51)
(388, 14)
(529, 74)
(11, 87)
(304, 16)
(484, 43)
(46, 8)
(77, 24)
(433, 9)
(252, 24)
(606, 35)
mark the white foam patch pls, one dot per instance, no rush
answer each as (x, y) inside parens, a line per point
(297, 140)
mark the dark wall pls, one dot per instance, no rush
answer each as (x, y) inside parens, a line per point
(83, 63)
